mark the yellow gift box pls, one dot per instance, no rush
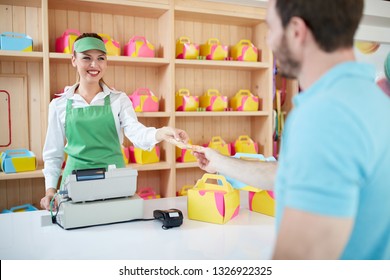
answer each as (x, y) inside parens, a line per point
(185, 49)
(212, 100)
(244, 100)
(213, 203)
(20, 160)
(184, 155)
(113, 47)
(244, 51)
(185, 102)
(184, 190)
(213, 50)
(262, 202)
(244, 144)
(217, 143)
(140, 156)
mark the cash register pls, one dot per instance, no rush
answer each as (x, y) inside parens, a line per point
(98, 196)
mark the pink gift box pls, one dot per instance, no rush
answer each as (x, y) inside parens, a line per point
(64, 44)
(144, 100)
(138, 46)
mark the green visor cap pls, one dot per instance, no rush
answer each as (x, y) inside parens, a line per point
(89, 43)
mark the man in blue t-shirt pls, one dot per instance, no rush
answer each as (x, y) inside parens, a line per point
(333, 179)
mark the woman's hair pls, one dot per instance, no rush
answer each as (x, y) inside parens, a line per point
(84, 35)
(332, 22)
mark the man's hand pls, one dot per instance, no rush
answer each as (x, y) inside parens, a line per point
(207, 159)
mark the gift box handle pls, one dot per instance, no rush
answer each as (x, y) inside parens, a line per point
(245, 92)
(245, 42)
(71, 31)
(184, 40)
(202, 183)
(138, 38)
(213, 92)
(146, 191)
(183, 92)
(244, 138)
(105, 36)
(15, 152)
(143, 91)
(217, 139)
(213, 41)
(14, 34)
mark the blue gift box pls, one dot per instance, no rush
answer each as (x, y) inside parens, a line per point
(21, 208)
(16, 42)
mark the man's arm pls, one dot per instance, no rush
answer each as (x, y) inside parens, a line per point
(304, 235)
(254, 173)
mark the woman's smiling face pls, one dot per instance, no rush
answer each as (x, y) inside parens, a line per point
(91, 65)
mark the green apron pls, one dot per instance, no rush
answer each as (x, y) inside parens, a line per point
(92, 138)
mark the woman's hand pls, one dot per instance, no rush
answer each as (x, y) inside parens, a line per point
(45, 201)
(169, 133)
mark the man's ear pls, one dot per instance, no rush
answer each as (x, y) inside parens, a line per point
(297, 30)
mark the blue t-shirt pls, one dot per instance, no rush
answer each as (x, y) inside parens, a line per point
(335, 157)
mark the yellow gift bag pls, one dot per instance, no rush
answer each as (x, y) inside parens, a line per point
(113, 47)
(262, 202)
(244, 51)
(212, 100)
(213, 50)
(244, 144)
(185, 102)
(214, 203)
(185, 49)
(217, 143)
(244, 100)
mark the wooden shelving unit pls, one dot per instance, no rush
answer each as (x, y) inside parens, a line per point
(162, 22)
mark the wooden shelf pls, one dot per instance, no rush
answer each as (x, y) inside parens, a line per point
(223, 114)
(152, 166)
(220, 64)
(147, 9)
(153, 114)
(21, 56)
(117, 60)
(182, 165)
(24, 3)
(22, 175)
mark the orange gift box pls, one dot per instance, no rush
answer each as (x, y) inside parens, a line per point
(213, 203)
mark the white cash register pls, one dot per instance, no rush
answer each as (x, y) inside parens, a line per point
(95, 197)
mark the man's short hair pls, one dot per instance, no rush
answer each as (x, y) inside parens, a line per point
(332, 22)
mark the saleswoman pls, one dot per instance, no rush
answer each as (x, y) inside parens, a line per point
(86, 121)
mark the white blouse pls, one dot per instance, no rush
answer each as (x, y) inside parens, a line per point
(124, 116)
